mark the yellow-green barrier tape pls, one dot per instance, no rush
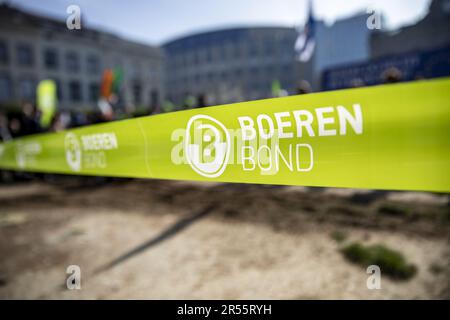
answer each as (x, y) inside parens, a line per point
(385, 137)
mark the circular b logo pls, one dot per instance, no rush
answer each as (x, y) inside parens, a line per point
(207, 146)
(73, 151)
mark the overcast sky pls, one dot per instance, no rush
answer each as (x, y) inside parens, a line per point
(156, 21)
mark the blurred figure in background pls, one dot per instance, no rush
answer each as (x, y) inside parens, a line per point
(77, 119)
(201, 101)
(304, 87)
(56, 123)
(168, 106)
(5, 135)
(392, 75)
(358, 83)
(14, 125)
(61, 121)
(189, 101)
(29, 119)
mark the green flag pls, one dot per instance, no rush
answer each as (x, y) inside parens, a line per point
(117, 79)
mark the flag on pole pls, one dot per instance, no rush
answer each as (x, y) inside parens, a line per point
(107, 84)
(305, 43)
(117, 80)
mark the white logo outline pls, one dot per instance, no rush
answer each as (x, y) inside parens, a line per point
(187, 147)
(73, 157)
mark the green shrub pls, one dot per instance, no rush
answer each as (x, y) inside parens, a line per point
(391, 262)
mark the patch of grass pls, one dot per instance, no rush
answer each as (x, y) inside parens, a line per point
(391, 262)
(338, 236)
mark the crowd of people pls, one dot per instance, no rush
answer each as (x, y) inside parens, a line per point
(27, 120)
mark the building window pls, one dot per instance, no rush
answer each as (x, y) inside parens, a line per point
(209, 55)
(5, 87)
(24, 55)
(253, 50)
(51, 59)
(238, 74)
(75, 91)
(59, 93)
(136, 70)
(152, 73)
(269, 49)
(59, 90)
(93, 64)
(94, 90)
(72, 62)
(137, 93)
(154, 98)
(27, 88)
(224, 76)
(4, 56)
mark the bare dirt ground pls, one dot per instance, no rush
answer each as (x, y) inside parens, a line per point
(164, 239)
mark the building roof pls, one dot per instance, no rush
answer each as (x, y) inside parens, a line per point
(14, 17)
(234, 35)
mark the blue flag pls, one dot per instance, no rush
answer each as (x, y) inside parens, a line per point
(305, 43)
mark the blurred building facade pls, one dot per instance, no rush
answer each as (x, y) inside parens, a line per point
(33, 48)
(231, 65)
(241, 64)
(216, 67)
(418, 51)
(345, 41)
(432, 32)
